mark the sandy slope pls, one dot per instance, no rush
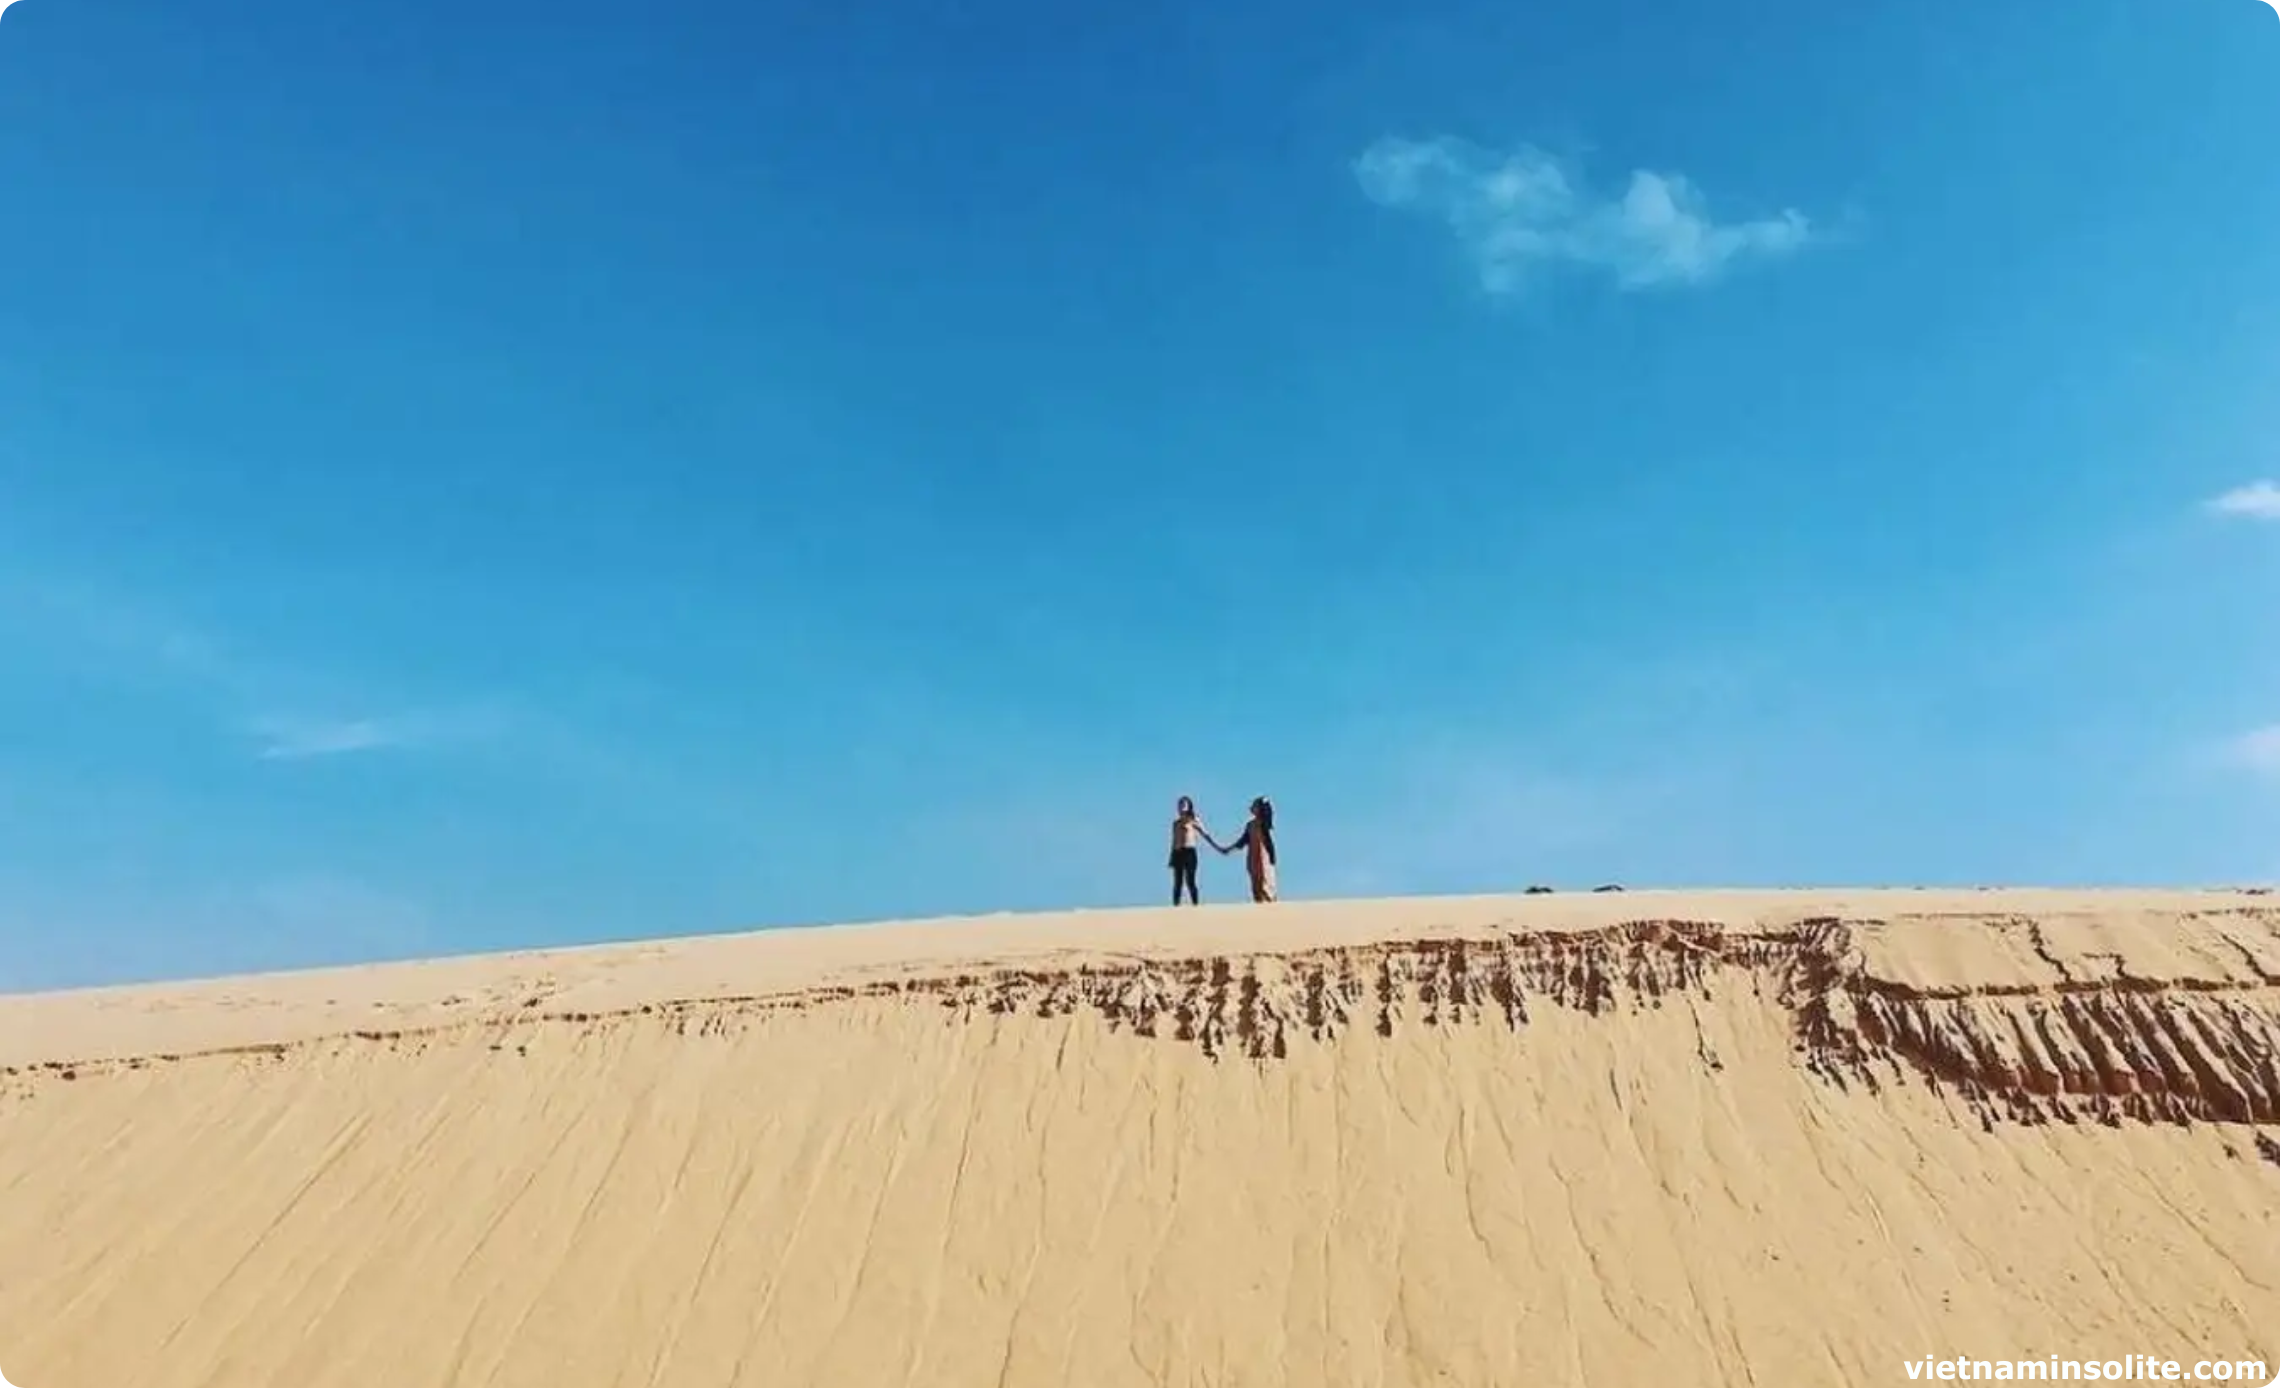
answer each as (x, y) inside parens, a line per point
(1785, 1139)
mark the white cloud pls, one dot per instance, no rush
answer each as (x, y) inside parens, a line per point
(1521, 212)
(2259, 500)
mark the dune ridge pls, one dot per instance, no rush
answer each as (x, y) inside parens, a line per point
(1706, 1138)
(2063, 1048)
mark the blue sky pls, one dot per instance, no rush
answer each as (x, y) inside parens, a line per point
(494, 474)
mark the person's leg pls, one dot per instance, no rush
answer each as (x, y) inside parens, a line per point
(1187, 869)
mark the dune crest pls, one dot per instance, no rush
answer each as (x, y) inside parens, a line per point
(1714, 1138)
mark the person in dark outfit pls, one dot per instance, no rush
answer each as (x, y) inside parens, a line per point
(1187, 831)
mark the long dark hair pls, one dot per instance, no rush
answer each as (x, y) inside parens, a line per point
(1263, 811)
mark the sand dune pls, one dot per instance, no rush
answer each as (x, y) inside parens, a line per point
(1656, 1138)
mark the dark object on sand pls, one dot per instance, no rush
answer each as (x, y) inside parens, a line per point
(1610, 887)
(1537, 891)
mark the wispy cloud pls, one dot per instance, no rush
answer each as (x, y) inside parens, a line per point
(2257, 750)
(128, 635)
(290, 738)
(1522, 212)
(300, 739)
(2258, 500)
(287, 712)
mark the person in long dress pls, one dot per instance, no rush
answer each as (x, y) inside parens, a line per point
(1258, 844)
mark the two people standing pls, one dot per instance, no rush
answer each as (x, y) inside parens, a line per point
(1257, 842)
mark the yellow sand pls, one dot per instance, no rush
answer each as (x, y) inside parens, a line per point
(1661, 1139)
